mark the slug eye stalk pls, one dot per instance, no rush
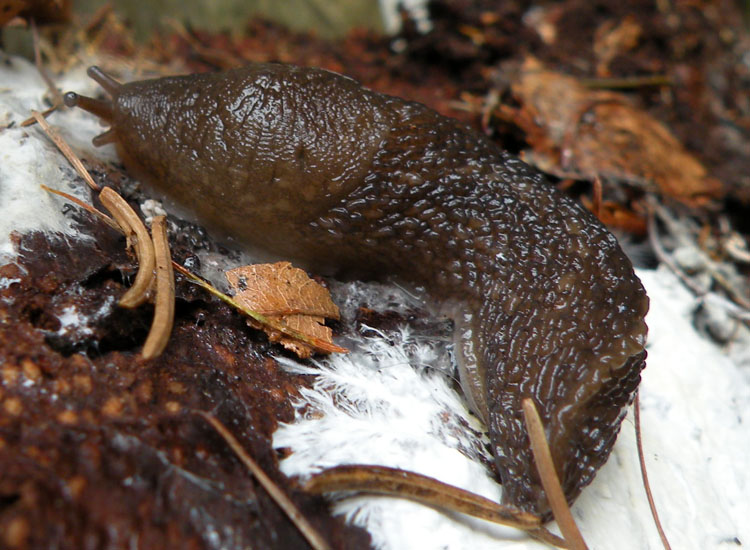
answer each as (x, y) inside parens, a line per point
(101, 108)
(110, 85)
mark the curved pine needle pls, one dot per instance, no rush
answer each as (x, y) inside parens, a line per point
(398, 483)
(551, 483)
(423, 489)
(136, 233)
(66, 150)
(161, 326)
(283, 501)
(644, 475)
(87, 207)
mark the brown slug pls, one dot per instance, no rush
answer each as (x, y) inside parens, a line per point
(310, 165)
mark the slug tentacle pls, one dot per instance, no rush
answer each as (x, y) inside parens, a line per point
(98, 107)
(312, 166)
(110, 136)
(110, 85)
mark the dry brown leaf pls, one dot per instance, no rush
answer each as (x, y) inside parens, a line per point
(9, 9)
(544, 19)
(581, 133)
(285, 293)
(43, 11)
(614, 215)
(612, 39)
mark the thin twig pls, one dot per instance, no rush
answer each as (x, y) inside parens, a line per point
(732, 309)
(58, 99)
(490, 103)
(653, 209)
(596, 207)
(646, 484)
(317, 343)
(627, 82)
(551, 483)
(66, 150)
(661, 253)
(98, 17)
(137, 234)
(723, 282)
(220, 58)
(161, 326)
(736, 247)
(305, 527)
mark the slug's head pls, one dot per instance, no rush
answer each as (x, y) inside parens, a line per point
(99, 107)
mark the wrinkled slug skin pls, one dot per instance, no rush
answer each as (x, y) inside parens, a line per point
(311, 165)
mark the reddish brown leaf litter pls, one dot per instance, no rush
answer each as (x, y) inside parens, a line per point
(685, 67)
(585, 134)
(97, 444)
(42, 11)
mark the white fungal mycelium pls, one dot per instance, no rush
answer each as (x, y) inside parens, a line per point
(383, 404)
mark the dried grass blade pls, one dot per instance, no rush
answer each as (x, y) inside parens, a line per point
(305, 527)
(550, 481)
(161, 326)
(144, 248)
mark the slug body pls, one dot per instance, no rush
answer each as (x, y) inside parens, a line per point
(311, 165)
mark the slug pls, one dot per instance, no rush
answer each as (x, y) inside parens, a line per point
(310, 165)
